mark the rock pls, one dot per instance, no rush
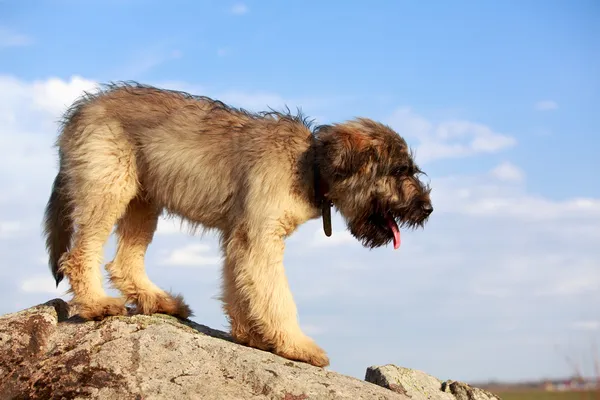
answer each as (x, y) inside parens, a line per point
(47, 352)
(418, 385)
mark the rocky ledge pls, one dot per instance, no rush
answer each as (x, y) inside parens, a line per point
(47, 352)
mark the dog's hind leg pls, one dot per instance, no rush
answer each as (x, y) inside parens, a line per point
(100, 167)
(135, 231)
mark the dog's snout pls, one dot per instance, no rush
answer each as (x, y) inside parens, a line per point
(427, 208)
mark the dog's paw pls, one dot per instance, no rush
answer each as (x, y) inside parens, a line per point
(241, 335)
(100, 308)
(305, 350)
(162, 303)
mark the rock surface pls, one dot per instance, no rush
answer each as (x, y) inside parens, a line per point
(418, 385)
(47, 352)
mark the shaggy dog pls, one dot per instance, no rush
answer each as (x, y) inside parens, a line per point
(129, 152)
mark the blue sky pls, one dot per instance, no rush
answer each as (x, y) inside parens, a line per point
(499, 99)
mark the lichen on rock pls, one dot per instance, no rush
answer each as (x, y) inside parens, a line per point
(47, 352)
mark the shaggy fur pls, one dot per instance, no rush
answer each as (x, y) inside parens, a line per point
(129, 152)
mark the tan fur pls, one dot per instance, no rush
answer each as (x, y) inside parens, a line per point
(131, 152)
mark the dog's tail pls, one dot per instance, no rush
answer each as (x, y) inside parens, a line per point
(58, 225)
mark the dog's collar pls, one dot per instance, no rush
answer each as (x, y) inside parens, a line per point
(323, 202)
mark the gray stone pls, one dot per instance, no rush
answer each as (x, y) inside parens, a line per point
(47, 352)
(418, 385)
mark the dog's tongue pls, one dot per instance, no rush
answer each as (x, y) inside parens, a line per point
(394, 227)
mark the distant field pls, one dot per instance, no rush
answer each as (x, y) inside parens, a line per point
(535, 395)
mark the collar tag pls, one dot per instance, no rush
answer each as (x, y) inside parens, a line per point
(326, 211)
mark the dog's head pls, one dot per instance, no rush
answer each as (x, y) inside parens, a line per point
(372, 180)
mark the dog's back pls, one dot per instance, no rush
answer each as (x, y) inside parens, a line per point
(189, 154)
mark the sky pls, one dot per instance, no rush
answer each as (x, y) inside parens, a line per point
(500, 101)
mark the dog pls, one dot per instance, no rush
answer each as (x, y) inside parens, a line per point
(129, 152)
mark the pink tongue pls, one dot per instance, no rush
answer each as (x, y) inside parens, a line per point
(394, 227)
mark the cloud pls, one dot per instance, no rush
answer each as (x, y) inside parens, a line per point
(239, 9)
(508, 172)
(565, 283)
(193, 255)
(29, 112)
(448, 139)
(54, 95)
(546, 105)
(338, 237)
(477, 196)
(41, 284)
(563, 277)
(170, 226)
(10, 228)
(586, 325)
(46, 99)
(9, 38)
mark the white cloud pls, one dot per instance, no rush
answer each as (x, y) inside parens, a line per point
(546, 105)
(448, 139)
(41, 284)
(542, 276)
(9, 38)
(491, 291)
(28, 115)
(239, 9)
(45, 98)
(477, 196)
(54, 95)
(10, 228)
(194, 255)
(338, 237)
(567, 283)
(170, 226)
(586, 325)
(508, 172)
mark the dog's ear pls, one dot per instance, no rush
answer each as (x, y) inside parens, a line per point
(343, 150)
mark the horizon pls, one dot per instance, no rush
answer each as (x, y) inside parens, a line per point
(499, 101)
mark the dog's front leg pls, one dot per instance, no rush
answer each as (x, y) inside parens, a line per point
(257, 298)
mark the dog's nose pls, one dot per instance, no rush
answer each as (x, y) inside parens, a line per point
(427, 208)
